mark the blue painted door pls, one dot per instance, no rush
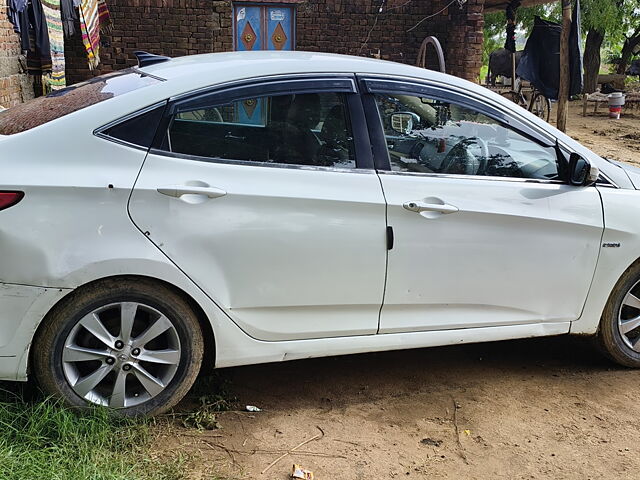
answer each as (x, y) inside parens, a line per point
(263, 27)
(280, 32)
(248, 28)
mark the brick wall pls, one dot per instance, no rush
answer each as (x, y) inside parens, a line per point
(15, 87)
(185, 27)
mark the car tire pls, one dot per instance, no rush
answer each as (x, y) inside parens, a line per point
(619, 328)
(137, 340)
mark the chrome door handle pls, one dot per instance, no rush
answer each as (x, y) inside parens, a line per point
(429, 207)
(179, 190)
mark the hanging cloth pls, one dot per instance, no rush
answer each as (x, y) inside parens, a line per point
(106, 25)
(90, 27)
(14, 9)
(540, 63)
(34, 38)
(52, 13)
(69, 17)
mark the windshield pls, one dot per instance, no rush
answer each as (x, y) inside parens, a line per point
(71, 99)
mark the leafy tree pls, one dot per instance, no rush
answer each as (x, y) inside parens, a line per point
(631, 33)
(599, 17)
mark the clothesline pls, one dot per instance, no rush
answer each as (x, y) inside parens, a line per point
(43, 26)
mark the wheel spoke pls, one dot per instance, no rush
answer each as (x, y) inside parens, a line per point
(631, 301)
(167, 356)
(127, 316)
(75, 353)
(629, 325)
(94, 325)
(117, 398)
(150, 383)
(87, 383)
(161, 325)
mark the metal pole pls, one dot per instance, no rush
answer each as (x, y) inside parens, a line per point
(563, 92)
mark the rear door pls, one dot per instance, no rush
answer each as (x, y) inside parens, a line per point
(275, 212)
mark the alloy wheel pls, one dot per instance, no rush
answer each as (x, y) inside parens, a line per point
(121, 355)
(629, 318)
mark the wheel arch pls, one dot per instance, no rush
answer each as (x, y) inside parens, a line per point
(209, 357)
(597, 299)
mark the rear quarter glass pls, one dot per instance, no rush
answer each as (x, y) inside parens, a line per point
(59, 103)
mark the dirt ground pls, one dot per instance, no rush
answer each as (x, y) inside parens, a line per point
(615, 139)
(528, 409)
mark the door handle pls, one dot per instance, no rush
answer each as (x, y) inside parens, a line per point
(179, 190)
(231, 136)
(430, 207)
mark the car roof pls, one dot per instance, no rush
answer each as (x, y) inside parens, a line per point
(214, 67)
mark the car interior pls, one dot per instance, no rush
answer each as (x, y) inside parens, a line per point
(299, 129)
(431, 136)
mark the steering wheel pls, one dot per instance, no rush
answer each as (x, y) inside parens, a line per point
(461, 161)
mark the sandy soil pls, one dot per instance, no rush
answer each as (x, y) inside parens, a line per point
(527, 409)
(615, 139)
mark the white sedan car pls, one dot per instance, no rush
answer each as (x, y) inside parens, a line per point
(239, 208)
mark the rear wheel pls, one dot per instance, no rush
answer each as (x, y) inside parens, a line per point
(131, 345)
(515, 97)
(619, 333)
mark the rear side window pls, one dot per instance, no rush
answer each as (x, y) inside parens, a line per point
(59, 103)
(137, 130)
(299, 129)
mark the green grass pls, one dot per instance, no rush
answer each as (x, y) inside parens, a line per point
(45, 440)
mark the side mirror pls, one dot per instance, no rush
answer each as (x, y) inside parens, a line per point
(403, 122)
(581, 172)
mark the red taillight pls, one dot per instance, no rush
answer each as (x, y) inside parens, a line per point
(9, 199)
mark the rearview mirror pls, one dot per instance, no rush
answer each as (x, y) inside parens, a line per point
(581, 172)
(403, 122)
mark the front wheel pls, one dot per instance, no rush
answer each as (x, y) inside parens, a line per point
(619, 333)
(131, 345)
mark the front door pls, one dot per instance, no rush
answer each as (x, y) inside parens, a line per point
(485, 232)
(281, 222)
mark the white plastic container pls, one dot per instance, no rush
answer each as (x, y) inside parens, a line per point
(616, 101)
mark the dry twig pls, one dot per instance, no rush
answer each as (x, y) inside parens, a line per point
(455, 424)
(317, 437)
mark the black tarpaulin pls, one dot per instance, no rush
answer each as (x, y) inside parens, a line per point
(540, 63)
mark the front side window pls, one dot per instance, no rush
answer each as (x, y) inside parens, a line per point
(297, 129)
(431, 136)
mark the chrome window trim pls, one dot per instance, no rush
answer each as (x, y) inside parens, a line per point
(473, 177)
(224, 161)
(99, 132)
(494, 178)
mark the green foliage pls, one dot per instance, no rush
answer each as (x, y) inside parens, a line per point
(601, 15)
(46, 440)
